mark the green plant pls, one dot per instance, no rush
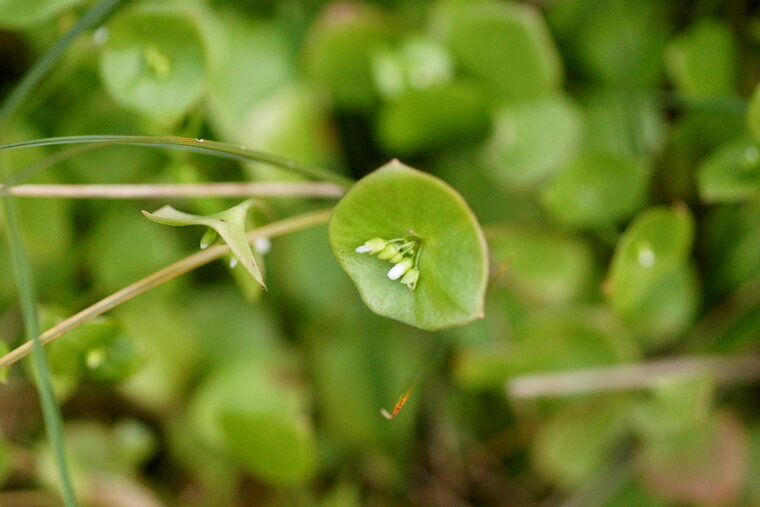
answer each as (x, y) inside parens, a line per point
(610, 149)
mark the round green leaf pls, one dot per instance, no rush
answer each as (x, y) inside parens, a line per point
(432, 118)
(597, 189)
(574, 444)
(544, 265)
(153, 61)
(702, 62)
(340, 49)
(517, 152)
(732, 173)
(507, 45)
(271, 447)
(26, 13)
(657, 242)
(391, 202)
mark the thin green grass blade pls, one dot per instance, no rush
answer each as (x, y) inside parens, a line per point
(20, 257)
(99, 13)
(28, 299)
(214, 148)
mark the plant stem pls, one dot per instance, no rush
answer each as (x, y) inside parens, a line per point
(224, 150)
(634, 376)
(170, 272)
(168, 191)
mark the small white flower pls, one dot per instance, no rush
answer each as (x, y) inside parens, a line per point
(262, 245)
(400, 268)
(363, 249)
(233, 262)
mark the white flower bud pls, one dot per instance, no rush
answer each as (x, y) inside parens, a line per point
(388, 252)
(372, 246)
(411, 277)
(400, 268)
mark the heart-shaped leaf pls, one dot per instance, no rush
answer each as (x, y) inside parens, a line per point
(229, 224)
(397, 202)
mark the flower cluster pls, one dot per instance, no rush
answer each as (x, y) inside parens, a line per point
(403, 253)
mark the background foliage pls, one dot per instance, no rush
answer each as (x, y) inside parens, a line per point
(610, 148)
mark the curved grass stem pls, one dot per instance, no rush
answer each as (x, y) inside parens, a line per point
(224, 150)
(279, 228)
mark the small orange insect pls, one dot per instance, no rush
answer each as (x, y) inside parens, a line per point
(399, 405)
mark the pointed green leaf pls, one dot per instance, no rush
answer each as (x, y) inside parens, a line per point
(229, 224)
(396, 201)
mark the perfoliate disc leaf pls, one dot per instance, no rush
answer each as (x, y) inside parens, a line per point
(397, 201)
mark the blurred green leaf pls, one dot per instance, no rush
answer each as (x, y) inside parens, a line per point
(272, 448)
(657, 241)
(619, 43)
(396, 201)
(668, 309)
(533, 139)
(752, 488)
(701, 464)
(229, 224)
(122, 249)
(154, 59)
(634, 494)
(731, 173)
(339, 51)
(104, 458)
(541, 264)
(418, 63)
(575, 443)
(596, 190)
(432, 118)
(291, 121)
(5, 461)
(249, 412)
(674, 406)
(730, 240)
(702, 61)
(249, 61)
(628, 124)
(167, 337)
(17, 14)
(546, 341)
(507, 45)
(3, 350)
(753, 115)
